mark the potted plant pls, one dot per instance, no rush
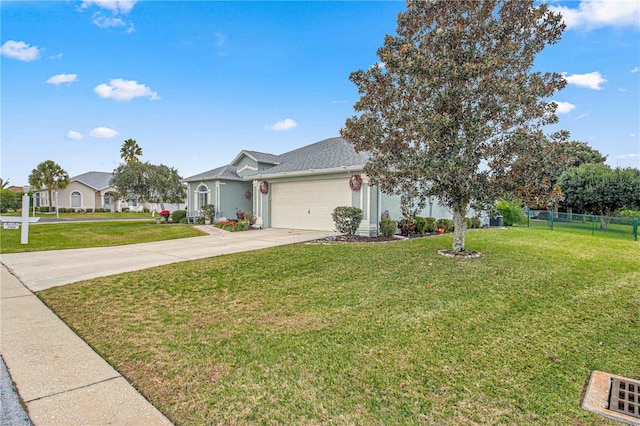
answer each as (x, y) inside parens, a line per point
(209, 212)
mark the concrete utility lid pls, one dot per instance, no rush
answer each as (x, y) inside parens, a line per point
(596, 398)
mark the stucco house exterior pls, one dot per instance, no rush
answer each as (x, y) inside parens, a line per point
(92, 190)
(89, 190)
(298, 189)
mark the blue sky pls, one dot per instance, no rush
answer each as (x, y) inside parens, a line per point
(196, 82)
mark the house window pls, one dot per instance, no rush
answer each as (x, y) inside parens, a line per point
(76, 199)
(203, 198)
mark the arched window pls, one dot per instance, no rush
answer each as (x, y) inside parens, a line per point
(203, 196)
(76, 199)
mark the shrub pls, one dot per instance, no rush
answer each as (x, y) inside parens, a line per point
(347, 219)
(446, 224)
(629, 213)
(200, 221)
(511, 212)
(476, 222)
(178, 215)
(421, 225)
(100, 210)
(388, 227)
(89, 210)
(44, 209)
(125, 209)
(146, 210)
(431, 224)
(9, 200)
(184, 220)
(209, 211)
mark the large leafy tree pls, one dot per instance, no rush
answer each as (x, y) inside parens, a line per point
(453, 96)
(148, 182)
(130, 151)
(50, 175)
(541, 168)
(599, 189)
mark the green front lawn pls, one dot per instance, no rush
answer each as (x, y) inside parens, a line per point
(58, 236)
(92, 215)
(372, 333)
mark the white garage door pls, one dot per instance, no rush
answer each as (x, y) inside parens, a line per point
(308, 205)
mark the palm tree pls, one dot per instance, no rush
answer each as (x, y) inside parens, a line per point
(50, 175)
(4, 184)
(130, 151)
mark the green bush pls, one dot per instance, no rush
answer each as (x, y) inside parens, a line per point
(125, 209)
(476, 222)
(100, 210)
(347, 219)
(178, 215)
(43, 209)
(388, 227)
(89, 210)
(209, 211)
(421, 224)
(9, 200)
(446, 224)
(431, 224)
(629, 213)
(184, 220)
(511, 212)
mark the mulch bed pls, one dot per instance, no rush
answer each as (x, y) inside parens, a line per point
(467, 254)
(361, 239)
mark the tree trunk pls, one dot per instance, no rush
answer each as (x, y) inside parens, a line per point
(459, 227)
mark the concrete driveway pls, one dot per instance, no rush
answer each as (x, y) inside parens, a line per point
(43, 270)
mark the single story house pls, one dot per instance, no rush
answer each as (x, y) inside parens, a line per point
(298, 189)
(93, 190)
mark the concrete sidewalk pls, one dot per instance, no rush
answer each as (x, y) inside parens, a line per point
(59, 377)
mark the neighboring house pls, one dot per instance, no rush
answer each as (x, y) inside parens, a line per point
(92, 190)
(298, 189)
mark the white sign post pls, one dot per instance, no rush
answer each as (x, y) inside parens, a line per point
(24, 232)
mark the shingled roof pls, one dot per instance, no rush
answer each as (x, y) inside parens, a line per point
(95, 180)
(327, 154)
(227, 172)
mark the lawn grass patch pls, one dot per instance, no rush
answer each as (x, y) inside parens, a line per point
(58, 236)
(372, 333)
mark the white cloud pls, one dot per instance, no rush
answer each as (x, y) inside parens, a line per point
(593, 14)
(62, 78)
(20, 50)
(58, 56)
(103, 132)
(73, 135)
(285, 124)
(564, 107)
(124, 90)
(591, 80)
(115, 6)
(102, 21)
(636, 69)
(342, 101)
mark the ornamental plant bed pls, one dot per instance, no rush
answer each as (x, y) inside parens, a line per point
(379, 239)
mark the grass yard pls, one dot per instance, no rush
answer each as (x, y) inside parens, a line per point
(92, 215)
(388, 334)
(58, 236)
